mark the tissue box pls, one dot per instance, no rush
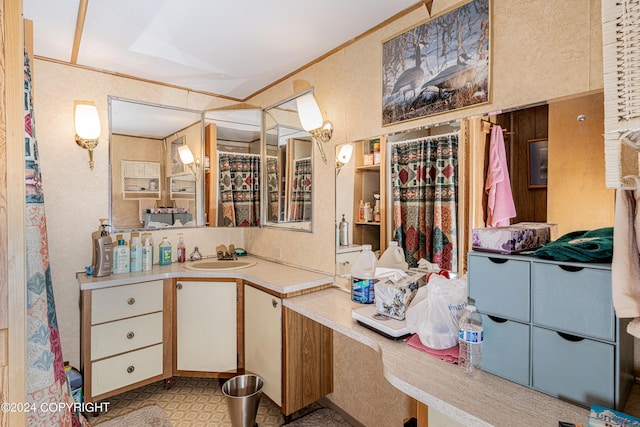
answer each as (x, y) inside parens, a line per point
(393, 298)
(513, 238)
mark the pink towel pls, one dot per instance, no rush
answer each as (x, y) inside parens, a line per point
(448, 355)
(500, 206)
(625, 267)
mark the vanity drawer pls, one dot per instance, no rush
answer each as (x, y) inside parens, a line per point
(125, 335)
(500, 286)
(573, 368)
(574, 300)
(120, 302)
(505, 350)
(129, 368)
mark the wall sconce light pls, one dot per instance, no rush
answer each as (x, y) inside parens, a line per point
(312, 122)
(87, 123)
(186, 157)
(344, 156)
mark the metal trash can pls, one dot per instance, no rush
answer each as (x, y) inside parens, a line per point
(243, 395)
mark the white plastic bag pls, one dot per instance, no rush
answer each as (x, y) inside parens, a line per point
(435, 310)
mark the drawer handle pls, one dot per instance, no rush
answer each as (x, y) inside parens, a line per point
(179, 286)
(130, 369)
(570, 337)
(131, 301)
(130, 335)
(497, 319)
(498, 260)
(570, 268)
(274, 303)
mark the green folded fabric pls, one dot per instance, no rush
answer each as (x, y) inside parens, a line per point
(581, 246)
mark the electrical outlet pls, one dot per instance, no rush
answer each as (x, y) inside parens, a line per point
(276, 253)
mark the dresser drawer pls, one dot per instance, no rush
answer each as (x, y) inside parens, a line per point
(573, 368)
(125, 335)
(573, 300)
(129, 368)
(500, 286)
(120, 302)
(505, 350)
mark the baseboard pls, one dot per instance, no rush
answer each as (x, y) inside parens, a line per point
(327, 403)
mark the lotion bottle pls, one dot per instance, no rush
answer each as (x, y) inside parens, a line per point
(135, 249)
(121, 257)
(147, 255)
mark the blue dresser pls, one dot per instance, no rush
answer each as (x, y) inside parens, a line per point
(551, 326)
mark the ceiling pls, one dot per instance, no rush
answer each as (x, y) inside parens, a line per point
(230, 48)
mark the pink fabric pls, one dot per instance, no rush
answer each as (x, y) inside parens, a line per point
(500, 206)
(448, 355)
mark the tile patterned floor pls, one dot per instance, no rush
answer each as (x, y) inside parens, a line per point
(191, 402)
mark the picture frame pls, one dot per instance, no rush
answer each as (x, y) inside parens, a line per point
(439, 66)
(538, 161)
(176, 167)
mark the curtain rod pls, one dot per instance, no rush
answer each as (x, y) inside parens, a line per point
(427, 127)
(422, 138)
(230, 153)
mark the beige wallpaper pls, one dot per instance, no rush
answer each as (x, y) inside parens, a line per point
(540, 51)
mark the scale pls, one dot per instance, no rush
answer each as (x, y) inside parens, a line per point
(380, 323)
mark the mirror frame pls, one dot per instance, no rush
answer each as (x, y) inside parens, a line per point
(199, 201)
(284, 225)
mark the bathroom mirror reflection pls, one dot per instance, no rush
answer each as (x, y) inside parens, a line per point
(288, 177)
(150, 186)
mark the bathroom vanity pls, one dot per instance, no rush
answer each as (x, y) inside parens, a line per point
(139, 328)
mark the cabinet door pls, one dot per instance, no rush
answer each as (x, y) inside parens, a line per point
(206, 332)
(263, 340)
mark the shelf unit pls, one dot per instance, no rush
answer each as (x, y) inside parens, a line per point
(182, 187)
(369, 179)
(141, 180)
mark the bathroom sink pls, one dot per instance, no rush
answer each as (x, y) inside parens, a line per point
(216, 265)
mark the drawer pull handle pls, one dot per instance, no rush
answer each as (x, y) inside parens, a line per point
(179, 286)
(570, 268)
(497, 319)
(274, 303)
(131, 301)
(130, 369)
(130, 335)
(570, 337)
(498, 260)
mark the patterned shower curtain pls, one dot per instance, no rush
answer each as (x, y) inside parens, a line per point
(424, 187)
(46, 379)
(300, 203)
(240, 189)
(273, 183)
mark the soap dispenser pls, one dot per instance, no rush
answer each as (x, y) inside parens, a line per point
(102, 251)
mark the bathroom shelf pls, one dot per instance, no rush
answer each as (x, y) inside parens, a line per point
(182, 187)
(367, 223)
(140, 180)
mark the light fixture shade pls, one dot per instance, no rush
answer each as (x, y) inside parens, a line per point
(186, 156)
(344, 155)
(309, 112)
(87, 121)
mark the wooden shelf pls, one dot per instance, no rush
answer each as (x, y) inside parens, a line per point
(367, 223)
(368, 168)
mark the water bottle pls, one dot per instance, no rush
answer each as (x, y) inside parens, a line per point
(470, 339)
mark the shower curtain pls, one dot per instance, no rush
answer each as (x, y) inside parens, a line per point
(273, 183)
(424, 188)
(46, 379)
(240, 189)
(300, 200)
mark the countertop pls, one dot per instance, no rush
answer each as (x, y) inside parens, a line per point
(274, 276)
(482, 400)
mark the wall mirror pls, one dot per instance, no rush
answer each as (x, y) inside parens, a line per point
(232, 178)
(150, 187)
(288, 168)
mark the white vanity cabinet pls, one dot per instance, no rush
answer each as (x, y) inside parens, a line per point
(551, 326)
(292, 354)
(125, 337)
(206, 328)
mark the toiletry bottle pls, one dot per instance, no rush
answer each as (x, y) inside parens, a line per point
(165, 252)
(368, 212)
(376, 212)
(361, 212)
(337, 234)
(121, 257)
(154, 256)
(344, 232)
(147, 255)
(102, 251)
(182, 251)
(135, 248)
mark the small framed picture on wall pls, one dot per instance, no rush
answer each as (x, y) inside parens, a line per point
(538, 156)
